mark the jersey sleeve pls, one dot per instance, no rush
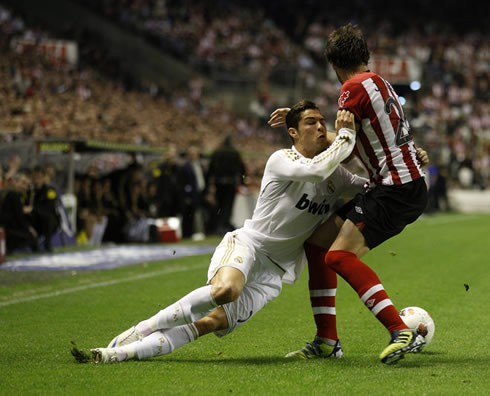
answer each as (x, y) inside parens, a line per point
(351, 183)
(288, 165)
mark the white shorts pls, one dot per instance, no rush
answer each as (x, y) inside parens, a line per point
(262, 279)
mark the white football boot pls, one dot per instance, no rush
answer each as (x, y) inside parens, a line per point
(126, 337)
(104, 355)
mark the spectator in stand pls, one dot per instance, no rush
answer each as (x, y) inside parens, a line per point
(13, 167)
(152, 194)
(226, 172)
(83, 192)
(137, 228)
(166, 177)
(19, 232)
(113, 212)
(193, 184)
(97, 213)
(44, 215)
(54, 177)
(438, 197)
(130, 189)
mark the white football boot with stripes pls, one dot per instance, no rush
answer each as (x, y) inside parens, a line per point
(126, 337)
(104, 355)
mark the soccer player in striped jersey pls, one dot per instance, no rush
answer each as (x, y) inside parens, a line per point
(299, 187)
(397, 197)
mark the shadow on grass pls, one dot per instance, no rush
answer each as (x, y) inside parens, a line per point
(251, 360)
(411, 361)
(439, 359)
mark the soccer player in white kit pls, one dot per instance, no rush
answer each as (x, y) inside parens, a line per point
(298, 188)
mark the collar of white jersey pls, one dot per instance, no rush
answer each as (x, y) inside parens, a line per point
(297, 152)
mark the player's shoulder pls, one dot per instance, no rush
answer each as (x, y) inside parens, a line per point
(280, 160)
(353, 91)
(359, 78)
(356, 82)
(289, 155)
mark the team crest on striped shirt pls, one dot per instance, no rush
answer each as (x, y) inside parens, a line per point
(345, 95)
(238, 259)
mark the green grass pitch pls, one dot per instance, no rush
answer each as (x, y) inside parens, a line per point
(427, 265)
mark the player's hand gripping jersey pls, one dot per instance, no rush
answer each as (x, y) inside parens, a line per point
(384, 144)
(296, 195)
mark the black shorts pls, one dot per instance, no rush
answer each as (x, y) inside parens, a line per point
(384, 211)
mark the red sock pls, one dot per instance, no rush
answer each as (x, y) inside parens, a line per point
(367, 285)
(323, 287)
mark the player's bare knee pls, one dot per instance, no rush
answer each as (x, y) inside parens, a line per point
(225, 293)
(205, 326)
(214, 322)
(217, 323)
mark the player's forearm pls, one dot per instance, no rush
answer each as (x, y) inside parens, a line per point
(316, 169)
(325, 163)
(358, 184)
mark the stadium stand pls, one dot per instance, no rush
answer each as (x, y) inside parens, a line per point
(45, 96)
(451, 107)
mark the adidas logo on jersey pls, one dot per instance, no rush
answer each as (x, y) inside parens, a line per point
(313, 207)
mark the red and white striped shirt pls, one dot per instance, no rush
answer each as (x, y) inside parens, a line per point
(384, 144)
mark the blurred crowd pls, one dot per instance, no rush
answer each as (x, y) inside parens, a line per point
(30, 211)
(123, 205)
(43, 98)
(46, 98)
(450, 114)
(210, 35)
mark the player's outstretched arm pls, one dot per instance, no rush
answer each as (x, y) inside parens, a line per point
(286, 165)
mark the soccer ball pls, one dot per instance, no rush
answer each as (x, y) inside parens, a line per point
(418, 319)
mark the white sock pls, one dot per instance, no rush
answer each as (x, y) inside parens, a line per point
(126, 352)
(188, 309)
(164, 342)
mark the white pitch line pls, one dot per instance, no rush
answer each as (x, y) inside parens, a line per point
(102, 284)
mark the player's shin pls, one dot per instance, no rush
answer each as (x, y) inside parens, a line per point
(323, 288)
(164, 342)
(188, 309)
(367, 285)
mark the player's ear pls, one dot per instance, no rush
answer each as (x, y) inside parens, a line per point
(293, 132)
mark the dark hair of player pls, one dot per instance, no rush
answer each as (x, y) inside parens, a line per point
(347, 48)
(294, 115)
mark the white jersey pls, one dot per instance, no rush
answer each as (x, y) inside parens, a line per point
(296, 196)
